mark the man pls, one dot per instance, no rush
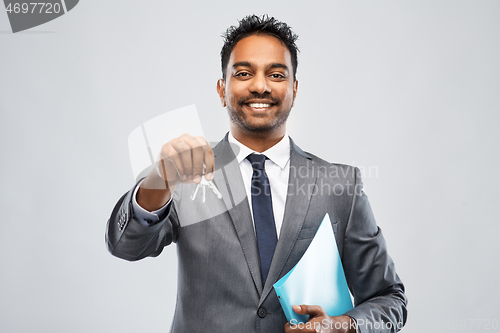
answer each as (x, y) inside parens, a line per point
(232, 251)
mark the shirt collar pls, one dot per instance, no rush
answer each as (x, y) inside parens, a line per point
(279, 153)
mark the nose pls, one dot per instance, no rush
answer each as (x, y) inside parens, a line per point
(259, 84)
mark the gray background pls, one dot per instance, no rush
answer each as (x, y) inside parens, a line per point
(410, 89)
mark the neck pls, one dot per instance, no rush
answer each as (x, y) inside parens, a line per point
(260, 141)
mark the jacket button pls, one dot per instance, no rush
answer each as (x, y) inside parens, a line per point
(262, 312)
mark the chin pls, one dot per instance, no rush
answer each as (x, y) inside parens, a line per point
(260, 128)
(256, 124)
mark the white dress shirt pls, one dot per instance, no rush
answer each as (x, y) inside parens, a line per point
(277, 169)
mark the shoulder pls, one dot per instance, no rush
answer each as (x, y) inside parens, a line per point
(335, 171)
(331, 172)
(321, 163)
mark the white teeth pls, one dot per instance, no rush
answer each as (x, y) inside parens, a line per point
(259, 105)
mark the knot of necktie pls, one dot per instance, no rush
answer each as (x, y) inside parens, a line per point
(258, 161)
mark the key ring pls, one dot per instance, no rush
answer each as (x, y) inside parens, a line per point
(203, 184)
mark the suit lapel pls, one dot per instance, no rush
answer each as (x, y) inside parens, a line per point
(227, 178)
(301, 179)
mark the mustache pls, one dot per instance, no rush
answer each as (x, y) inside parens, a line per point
(254, 96)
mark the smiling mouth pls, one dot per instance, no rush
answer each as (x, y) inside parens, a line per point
(259, 105)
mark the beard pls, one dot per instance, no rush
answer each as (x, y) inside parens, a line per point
(258, 123)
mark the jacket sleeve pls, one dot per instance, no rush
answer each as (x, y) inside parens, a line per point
(128, 239)
(379, 298)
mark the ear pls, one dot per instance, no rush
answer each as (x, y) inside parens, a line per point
(295, 87)
(221, 91)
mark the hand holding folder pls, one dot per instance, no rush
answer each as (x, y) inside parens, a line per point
(317, 279)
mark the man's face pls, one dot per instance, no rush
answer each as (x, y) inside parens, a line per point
(259, 89)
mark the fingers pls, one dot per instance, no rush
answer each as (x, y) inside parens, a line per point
(208, 159)
(189, 152)
(168, 164)
(201, 153)
(188, 155)
(309, 327)
(316, 317)
(180, 155)
(311, 310)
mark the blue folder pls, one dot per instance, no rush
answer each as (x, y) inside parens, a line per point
(317, 279)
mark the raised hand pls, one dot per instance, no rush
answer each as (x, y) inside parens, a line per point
(181, 160)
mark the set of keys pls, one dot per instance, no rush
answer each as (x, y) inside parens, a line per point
(204, 183)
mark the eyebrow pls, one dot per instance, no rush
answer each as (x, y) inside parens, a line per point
(278, 65)
(271, 66)
(242, 64)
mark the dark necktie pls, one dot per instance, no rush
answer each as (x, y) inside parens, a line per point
(263, 215)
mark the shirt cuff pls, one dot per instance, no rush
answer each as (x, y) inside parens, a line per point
(145, 217)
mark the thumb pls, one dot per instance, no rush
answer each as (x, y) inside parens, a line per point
(311, 310)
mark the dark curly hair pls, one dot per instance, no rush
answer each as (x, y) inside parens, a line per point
(253, 24)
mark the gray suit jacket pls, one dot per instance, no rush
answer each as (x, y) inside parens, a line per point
(219, 281)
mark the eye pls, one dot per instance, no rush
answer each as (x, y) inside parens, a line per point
(278, 76)
(242, 74)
